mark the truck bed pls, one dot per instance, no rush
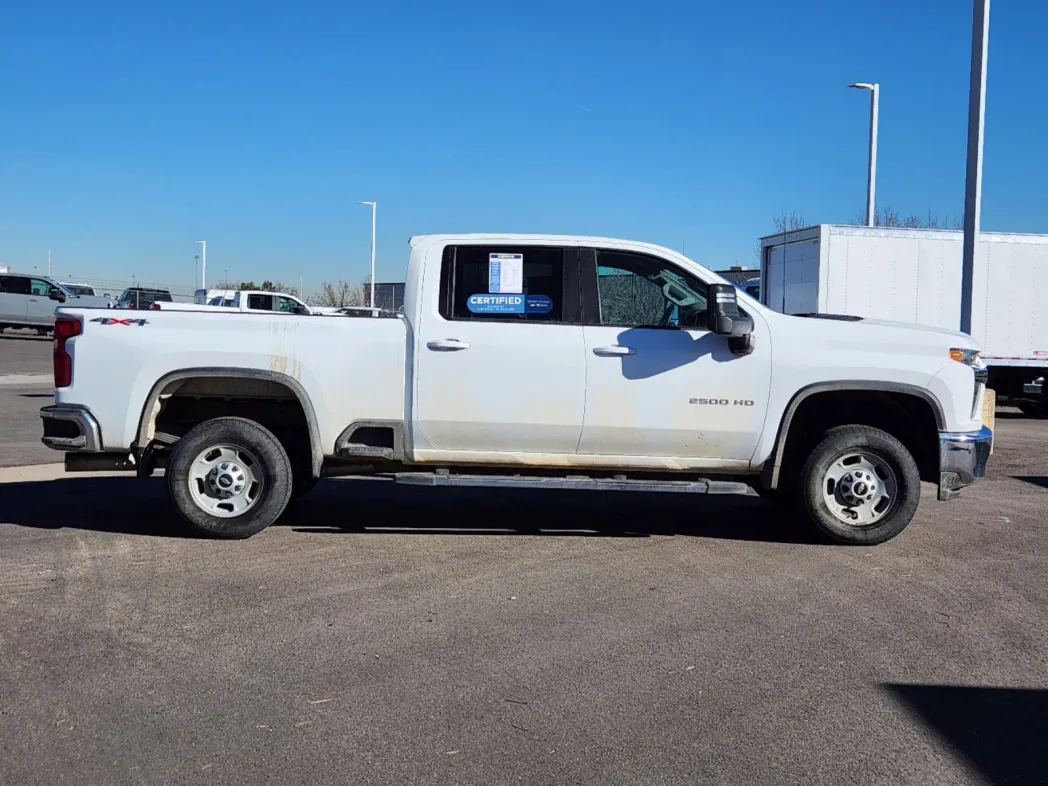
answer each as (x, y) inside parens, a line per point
(344, 366)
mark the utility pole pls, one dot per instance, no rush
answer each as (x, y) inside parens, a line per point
(973, 169)
(203, 263)
(374, 208)
(871, 164)
(49, 263)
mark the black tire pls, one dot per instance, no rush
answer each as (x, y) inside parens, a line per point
(274, 468)
(837, 443)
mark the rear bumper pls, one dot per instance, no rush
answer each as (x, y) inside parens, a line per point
(69, 428)
(962, 460)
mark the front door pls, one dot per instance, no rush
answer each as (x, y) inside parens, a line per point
(40, 308)
(499, 360)
(658, 382)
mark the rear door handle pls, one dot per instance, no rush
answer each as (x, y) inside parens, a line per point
(610, 352)
(447, 345)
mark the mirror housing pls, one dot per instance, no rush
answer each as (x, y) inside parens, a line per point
(301, 311)
(722, 312)
(724, 318)
(54, 293)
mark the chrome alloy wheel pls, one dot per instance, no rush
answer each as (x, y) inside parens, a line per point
(226, 481)
(860, 489)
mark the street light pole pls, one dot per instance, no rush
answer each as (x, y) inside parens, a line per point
(973, 169)
(871, 175)
(203, 263)
(374, 208)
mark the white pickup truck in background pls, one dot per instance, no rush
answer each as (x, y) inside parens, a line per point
(528, 360)
(244, 300)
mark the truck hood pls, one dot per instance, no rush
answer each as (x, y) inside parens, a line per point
(923, 334)
(955, 334)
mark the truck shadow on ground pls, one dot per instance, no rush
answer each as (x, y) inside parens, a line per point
(1035, 480)
(999, 731)
(6, 336)
(126, 505)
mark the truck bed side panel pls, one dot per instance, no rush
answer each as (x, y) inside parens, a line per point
(349, 368)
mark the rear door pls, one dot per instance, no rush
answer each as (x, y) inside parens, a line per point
(500, 365)
(14, 299)
(258, 301)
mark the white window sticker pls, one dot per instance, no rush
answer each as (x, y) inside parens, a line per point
(505, 273)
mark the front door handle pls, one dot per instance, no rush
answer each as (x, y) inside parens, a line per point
(447, 345)
(614, 351)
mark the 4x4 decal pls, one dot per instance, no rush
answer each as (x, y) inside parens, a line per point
(115, 321)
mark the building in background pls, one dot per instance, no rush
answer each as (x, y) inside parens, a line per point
(738, 275)
(389, 296)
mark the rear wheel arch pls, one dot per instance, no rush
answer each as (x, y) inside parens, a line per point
(172, 382)
(910, 399)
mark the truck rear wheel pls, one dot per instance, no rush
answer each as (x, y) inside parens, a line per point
(860, 485)
(229, 477)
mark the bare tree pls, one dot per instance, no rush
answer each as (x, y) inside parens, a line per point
(784, 222)
(342, 294)
(789, 222)
(889, 217)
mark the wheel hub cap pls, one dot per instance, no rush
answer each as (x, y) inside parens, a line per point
(226, 480)
(860, 488)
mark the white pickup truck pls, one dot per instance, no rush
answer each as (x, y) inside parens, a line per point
(528, 360)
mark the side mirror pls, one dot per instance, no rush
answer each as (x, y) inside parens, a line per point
(724, 318)
(722, 312)
(301, 311)
(54, 293)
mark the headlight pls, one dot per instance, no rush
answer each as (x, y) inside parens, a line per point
(969, 357)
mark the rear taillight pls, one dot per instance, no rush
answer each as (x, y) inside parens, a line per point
(65, 329)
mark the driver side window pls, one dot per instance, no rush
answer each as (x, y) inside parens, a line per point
(641, 291)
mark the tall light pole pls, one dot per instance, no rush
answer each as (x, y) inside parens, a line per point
(973, 170)
(203, 263)
(871, 175)
(374, 208)
(196, 269)
(49, 263)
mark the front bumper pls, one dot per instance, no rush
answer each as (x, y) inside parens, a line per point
(962, 460)
(68, 428)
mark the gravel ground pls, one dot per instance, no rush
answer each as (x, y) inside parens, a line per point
(384, 635)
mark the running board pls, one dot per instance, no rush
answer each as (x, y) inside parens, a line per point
(575, 483)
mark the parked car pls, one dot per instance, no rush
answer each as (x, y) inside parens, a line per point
(529, 361)
(88, 291)
(143, 297)
(29, 301)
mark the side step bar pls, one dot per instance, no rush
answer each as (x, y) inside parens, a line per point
(575, 483)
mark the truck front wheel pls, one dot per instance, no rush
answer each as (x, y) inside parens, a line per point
(229, 477)
(860, 485)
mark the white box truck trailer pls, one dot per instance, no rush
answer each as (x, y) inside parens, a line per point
(914, 275)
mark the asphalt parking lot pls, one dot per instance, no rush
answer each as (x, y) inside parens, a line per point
(383, 635)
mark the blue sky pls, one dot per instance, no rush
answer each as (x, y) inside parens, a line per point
(131, 129)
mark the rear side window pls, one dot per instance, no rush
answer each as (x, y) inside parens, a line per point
(509, 283)
(260, 302)
(14, 285)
